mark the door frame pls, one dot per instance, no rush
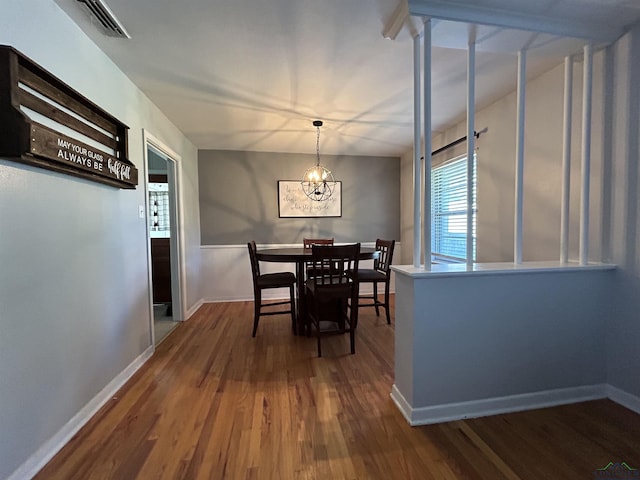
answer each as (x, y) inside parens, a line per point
(176, 242)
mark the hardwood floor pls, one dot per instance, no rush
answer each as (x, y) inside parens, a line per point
(214, 403)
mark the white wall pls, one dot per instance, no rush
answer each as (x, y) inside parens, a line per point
(74, 290)
(475, 343)
(227, 272)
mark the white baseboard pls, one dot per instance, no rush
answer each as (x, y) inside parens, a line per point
(194, 308)
(232, 299)
(498, 405)
(401, 403)
(624, 398)
(52, 446)
(271, 296)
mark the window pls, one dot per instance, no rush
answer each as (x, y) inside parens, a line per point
(159, 209)
(449, 210)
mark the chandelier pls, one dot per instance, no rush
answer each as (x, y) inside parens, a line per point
(317, 181)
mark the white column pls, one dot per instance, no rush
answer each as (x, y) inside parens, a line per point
(417, 177)
(471, 110)
(427, 143)
(522, 80)
(566, 159)
(586, 154)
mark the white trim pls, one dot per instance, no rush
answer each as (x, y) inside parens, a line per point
(503, 268)
(497, 405)
(52, 446)
(468, 12)
(471, 111)
(280, 245)
(519, 166)
(401, 403)
(624, 398)
(566, 158)
(178, 260)
(427, 124)
(194, 308)
(585, 161)
(241, 299)
(274, 295)
(417, 143)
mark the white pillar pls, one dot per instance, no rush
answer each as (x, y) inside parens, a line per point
(417, 177)
(522, 80)
(586, 154)
(566, 159)
(471, 95)
(427, 143)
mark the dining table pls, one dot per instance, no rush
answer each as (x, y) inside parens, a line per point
(299, 256)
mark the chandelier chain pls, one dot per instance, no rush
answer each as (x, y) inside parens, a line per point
(317, 145)
(318, 182)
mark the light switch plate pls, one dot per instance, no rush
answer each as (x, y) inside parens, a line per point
(141, 211)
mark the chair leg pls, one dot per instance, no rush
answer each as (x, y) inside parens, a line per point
(293, 308)
(256, 312)
(307, 321)
(386, 302)
(353, 323)
(375, 298)
(352, 339)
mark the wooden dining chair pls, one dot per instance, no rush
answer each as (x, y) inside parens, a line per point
(332, 298)
(266, 281)
(310, 242)
(307, 243)
(380, 273)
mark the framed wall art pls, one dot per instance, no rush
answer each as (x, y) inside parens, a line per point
(292, 201)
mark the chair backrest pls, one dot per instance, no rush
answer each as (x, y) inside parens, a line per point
(309, 242)
(383, 262)
(339, 266)
(255, 264)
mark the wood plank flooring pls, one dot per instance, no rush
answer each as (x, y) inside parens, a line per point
(214, 403)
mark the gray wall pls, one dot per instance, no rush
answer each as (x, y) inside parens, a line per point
(74, 283)
(239, 198)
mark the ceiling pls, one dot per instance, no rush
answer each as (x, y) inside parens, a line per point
(253, 74)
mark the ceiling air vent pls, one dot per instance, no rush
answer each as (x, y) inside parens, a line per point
(101, 12)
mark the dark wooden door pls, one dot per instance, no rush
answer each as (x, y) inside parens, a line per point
(161, 270)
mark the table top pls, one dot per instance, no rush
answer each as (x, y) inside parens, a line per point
(298, 254)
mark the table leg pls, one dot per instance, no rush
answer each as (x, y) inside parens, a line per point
(302, 310)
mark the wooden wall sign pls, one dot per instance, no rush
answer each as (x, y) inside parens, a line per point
(45, 123)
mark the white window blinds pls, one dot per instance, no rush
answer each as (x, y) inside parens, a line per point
(449, 210)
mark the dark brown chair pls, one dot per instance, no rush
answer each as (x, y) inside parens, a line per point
(381, 273)
(270, 280)
(332, 298)
(310, 242)
(307, 243)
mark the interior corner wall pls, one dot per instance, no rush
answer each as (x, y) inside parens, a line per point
(239, 198)
(74, 283)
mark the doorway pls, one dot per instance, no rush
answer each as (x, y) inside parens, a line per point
(164, 245)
